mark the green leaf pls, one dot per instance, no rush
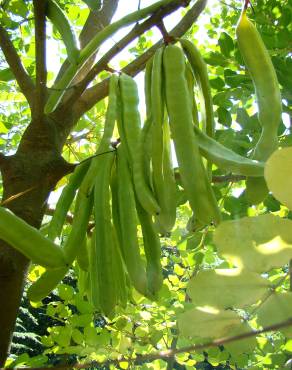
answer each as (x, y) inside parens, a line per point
(240, 346)
(275, 310)
(217, 83)
(83, 306)
(241, 288)
(215, 59)
(206, 322)
(226, 44)
(77, 336)
(224, 117)
(255, 243)
(80, 320)
(242, 117)
(61, 335)
(278, 170)
(288, 346)
(234, 79)
(65, 292)
(6, 75)
(18, 8)
(90, 335)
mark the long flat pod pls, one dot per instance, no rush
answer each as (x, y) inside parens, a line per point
(65, 200)
(261, 69)
(131, 130)
(51, 277)
(46, 283)
(83, 281)
(128, 224)
(104, 146)
(226, 158)
(169, 178)
(29, 241)
(193, 174)
(93, 268)
(124, 282)
(146, 137)
(147, 86)
(119, 272)
(157, 115)
(103, 249)
(82, 254)
(85, 171)
(83, 207)
(61, 22)
(191, 85)
(152, 250)
(201, 74)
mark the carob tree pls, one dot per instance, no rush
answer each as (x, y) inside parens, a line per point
(32, 172)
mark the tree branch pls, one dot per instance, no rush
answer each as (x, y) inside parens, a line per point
(40, 51)
(100, 91)
(95, 22)
(60, 87)
(228, 178)
(164, 355)
(101, 65)
(24, 81)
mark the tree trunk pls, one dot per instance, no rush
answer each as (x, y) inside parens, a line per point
(28, 178)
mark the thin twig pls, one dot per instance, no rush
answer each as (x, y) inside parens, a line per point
(164, 355)
(229, 5)
(228, 178)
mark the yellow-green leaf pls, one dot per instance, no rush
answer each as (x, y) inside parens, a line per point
(278, 170)
(243, 345)
(276, 309)
(240, 287)
(255, 243)
(205, 322)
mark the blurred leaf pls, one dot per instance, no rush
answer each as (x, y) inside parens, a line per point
(206, 323)
(278, 171)
(6, 75)
(241, 288)
(224, 117)
(240, 346)
(255, 243)
(226, 44)
(275, 310)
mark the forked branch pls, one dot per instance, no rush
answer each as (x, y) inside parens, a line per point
(92, 95)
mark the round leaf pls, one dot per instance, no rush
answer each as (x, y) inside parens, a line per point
(241, 288)
(255, 243)
(278, 171)
(206, 323)
(276, 309)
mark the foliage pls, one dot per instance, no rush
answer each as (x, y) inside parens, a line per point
(218, 282)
